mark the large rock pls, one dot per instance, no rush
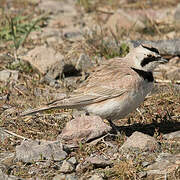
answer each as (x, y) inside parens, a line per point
(164, 15)
(46, 60)
(165, 163)
(83, 129)
(58, 7)
(121, 19)
(140, 140)
(98, 162)
(84, 63)
(134, 19)
(170, 71)
(67, 167)
(72, 33)
(35, 150)
(173, 135)
(173, 73)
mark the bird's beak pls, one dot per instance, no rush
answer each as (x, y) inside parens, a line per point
(162, 60)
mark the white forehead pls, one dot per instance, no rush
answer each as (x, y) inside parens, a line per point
(142, 50)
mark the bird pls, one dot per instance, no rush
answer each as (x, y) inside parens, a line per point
(115, 88)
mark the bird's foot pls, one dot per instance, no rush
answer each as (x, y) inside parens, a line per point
(114, 128)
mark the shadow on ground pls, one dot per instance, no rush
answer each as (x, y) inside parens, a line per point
(163, 127)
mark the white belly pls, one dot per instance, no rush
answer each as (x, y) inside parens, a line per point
(119, 107)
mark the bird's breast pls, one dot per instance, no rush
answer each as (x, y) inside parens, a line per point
(118, 107)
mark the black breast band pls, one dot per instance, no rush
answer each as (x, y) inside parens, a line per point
(146, 75)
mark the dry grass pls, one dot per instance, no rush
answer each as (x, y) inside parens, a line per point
(160, 112)
(95, 5)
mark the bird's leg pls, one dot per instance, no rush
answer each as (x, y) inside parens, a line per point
(114, 127)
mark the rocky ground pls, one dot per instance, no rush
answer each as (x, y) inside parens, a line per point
(47, 49)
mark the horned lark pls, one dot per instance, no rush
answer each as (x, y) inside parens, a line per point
(115, 88)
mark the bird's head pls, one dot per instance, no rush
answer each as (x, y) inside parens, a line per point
(145, 58)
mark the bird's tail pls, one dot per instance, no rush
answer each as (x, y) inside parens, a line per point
(57, 104)
(40, 109)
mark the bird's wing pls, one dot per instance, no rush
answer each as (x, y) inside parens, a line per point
(98, 94)
(108, 82)
(95, 94)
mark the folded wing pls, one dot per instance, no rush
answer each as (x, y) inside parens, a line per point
(107, 82)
